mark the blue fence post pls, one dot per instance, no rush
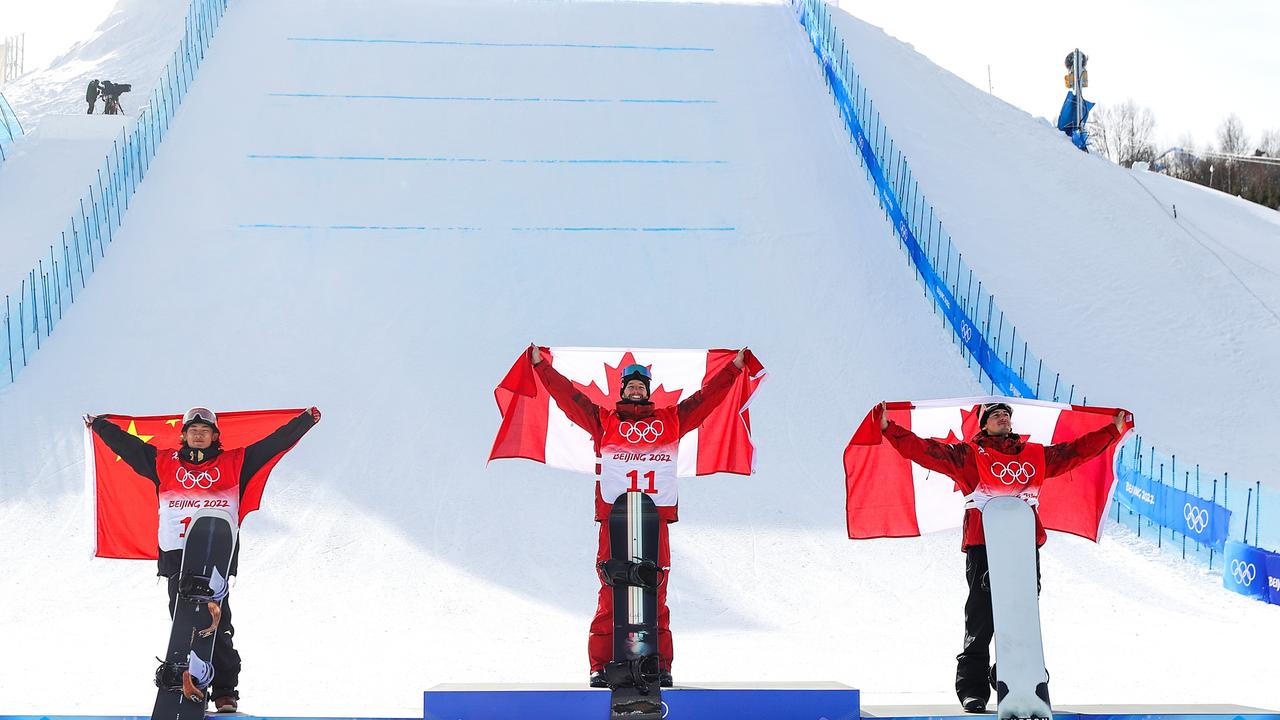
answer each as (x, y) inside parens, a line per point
(1160, 526)
(1214, 500)
(1187, 484)
(8, 337)
(106, 208)
(1248, 505)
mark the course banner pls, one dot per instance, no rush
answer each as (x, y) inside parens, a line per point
(1245, 570)
(1273, 578)
(1201, 520)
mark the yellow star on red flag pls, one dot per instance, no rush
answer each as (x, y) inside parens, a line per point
(133, 430)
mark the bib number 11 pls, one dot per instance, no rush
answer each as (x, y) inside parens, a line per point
(635, 481)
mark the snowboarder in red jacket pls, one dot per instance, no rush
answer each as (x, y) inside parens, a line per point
(964, 462)
(201, 466)
(610, 428)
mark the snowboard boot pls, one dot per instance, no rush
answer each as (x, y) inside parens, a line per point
(664, 679)
(225, 704)
(974, 704)
(597, 679)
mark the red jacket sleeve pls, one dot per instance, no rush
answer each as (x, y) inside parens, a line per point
(1063, 457)
(694, 409)
(934, 455)
(572, 401)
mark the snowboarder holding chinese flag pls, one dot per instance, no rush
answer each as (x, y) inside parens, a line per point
(616, 432)
(981, 467)
(201, 471)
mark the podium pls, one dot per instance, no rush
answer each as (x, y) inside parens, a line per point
(692, 701)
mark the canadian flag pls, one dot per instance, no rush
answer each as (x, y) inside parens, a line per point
(534, 428)
(886, 495)
(124, 504)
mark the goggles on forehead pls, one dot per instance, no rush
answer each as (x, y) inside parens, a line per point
(634, 370)
(199, 414)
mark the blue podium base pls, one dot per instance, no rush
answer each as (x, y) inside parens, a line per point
(698, 701)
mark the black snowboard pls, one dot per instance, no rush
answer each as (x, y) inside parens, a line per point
(185, 673)
(633, 571)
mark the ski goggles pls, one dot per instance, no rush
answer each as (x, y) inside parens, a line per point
(632, 371)
(202, 415)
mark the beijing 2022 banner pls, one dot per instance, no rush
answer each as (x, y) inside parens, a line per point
(1201, 520)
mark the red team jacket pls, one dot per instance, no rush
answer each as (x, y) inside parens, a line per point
(641, 431)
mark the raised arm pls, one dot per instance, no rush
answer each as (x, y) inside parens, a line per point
(132, 449)
(1064, 457)
(695, 409)
(930, 454)
(284, 437)
(572, 401)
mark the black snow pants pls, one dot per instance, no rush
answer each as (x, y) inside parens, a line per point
(226, 661)
(973, 664)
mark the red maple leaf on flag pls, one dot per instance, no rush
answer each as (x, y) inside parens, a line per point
(969, 421)
(659, 396)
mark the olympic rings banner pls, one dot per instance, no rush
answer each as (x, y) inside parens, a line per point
(1201, 520)
(1252, 571)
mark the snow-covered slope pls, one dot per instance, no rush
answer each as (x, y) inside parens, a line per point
(378, 228)
(131, 46)
(1134, 307)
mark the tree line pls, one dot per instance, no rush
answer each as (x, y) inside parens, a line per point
(1125, 133)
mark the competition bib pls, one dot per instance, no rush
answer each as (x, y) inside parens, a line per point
(640, 455)
(1001, 475)
(184, 489)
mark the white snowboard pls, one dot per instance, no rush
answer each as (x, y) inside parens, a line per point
(1022, 690)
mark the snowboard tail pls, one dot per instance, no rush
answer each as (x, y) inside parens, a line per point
(186, 671)
(1022, 686)
(632, 571)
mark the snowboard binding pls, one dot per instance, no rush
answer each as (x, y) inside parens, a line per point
(640, 673)
(202, 588)
(190, 678)
(208, 590)
(636, 573)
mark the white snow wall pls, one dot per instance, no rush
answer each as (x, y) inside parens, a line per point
(1065, 254)
(37, 295)
(374, 213)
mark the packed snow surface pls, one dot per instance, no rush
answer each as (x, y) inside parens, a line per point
(1174, 318)
(375, 212)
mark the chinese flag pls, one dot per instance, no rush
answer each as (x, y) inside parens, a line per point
(126, 509)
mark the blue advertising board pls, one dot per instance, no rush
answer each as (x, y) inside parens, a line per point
(1244, 570)
(1199, 519)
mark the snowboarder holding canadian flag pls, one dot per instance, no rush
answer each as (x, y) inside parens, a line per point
(201, 473)
(637, 445)
(991, 461)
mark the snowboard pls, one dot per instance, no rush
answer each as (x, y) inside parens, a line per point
(1021, 684)
(632, 570)
(186, 672)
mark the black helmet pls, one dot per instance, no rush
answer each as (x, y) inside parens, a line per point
(636, 372)
(988, 409)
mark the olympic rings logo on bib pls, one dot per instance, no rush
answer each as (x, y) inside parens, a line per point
(641, 430)
(1197, 517)
(1013, 472)
(203, 479)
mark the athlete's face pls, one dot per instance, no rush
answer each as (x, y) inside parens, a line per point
(999, 422)
(199, 436)
(635, 390)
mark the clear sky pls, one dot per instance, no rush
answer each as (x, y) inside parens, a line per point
(52, 26)
(1191, 61)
